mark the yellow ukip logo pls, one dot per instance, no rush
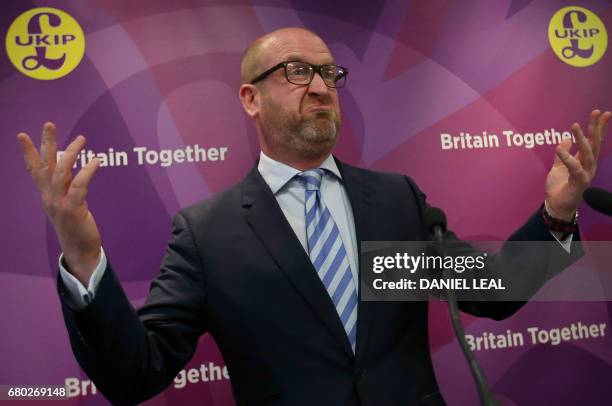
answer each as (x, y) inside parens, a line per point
(577, 36)
(45, 43)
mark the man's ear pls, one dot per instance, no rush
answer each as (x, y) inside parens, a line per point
(249, 98)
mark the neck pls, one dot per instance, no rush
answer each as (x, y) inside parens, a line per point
(297, 162)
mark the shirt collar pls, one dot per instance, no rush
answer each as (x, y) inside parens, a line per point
(277, 174)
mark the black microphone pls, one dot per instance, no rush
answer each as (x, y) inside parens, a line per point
(599, 200)
(434, 220)
(435, 223)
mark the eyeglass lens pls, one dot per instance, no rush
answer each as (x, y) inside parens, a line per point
(301, 73)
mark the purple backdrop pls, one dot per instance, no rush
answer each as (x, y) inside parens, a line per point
(164, 75)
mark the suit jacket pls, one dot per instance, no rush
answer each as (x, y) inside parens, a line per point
(235, 269)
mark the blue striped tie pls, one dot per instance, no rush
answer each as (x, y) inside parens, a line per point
(328, 254)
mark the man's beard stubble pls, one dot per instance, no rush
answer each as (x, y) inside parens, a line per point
(309, 137)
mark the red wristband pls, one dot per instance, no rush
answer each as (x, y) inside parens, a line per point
(561, 226)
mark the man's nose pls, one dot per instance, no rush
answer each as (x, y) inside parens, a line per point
(317, 86)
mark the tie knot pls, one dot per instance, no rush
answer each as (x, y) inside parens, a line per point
(312, 178)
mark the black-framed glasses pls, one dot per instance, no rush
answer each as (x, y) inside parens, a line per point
(302, 73)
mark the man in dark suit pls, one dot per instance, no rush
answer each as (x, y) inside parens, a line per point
(269, 267)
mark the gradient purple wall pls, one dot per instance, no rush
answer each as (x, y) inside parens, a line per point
(164, 74)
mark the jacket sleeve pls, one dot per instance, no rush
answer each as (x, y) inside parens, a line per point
(133, 355)
(529, 266)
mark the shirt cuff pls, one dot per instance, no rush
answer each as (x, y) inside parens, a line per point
(80, 295)
(566, 243)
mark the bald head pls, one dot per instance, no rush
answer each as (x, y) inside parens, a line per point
(257, 57)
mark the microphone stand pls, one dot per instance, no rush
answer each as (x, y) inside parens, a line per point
(486, 395)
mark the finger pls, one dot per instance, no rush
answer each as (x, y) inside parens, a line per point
(566, 145)
(573, 165)
(77, 192)
(604, 119)
(30, 154)
(585, 151)
(63, 170)
(48, 147)
(593, 122)
(599, 132)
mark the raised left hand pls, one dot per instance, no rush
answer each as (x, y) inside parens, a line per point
(570, 174)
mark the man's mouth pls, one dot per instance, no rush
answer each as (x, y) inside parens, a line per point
(317, 109)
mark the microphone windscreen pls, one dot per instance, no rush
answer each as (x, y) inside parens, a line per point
(599, 200)
(434, 217)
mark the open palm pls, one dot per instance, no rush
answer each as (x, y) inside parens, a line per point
(570, 174)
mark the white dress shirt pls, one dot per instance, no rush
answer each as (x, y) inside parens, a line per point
(290, 194)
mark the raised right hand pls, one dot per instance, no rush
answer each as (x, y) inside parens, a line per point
(64, 201)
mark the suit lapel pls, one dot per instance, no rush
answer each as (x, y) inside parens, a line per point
(361, 196)
(267, 220)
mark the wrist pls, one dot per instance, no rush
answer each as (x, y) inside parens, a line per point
(563, 215)
(81, 266)
(559, 223)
